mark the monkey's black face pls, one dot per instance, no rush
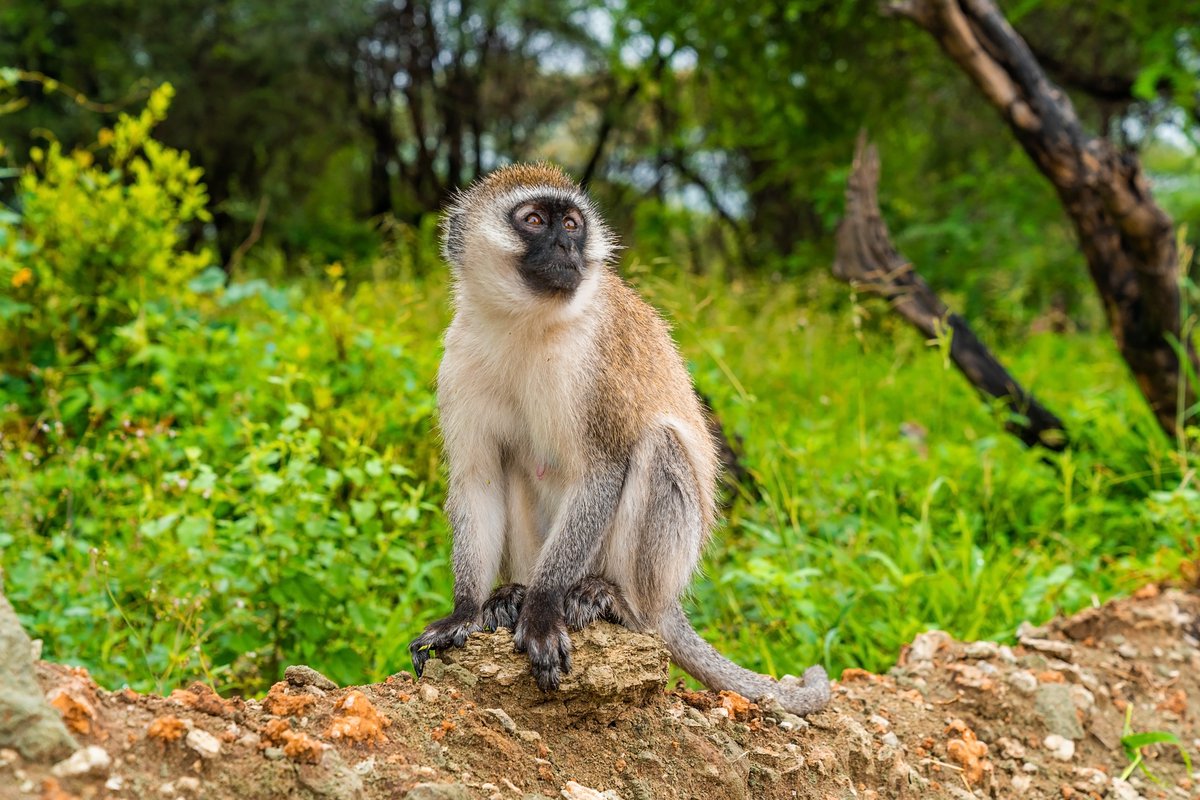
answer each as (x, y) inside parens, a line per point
(555, 234)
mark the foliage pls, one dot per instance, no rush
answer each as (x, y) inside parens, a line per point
(95, 249)
(271, 493)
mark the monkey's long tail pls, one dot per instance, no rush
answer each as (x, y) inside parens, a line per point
(702, 661)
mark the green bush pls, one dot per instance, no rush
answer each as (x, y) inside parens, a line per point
(96, 247)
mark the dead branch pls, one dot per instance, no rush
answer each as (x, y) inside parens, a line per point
(867, 258)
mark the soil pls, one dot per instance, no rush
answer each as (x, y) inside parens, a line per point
(1041, 718)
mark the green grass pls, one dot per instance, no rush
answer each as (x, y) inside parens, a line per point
(263, 486)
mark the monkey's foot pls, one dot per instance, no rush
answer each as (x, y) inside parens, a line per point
(503, 607)
(541, 632)
(591, 599)
(451, 631)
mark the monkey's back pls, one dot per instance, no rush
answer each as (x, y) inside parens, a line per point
(642, 383)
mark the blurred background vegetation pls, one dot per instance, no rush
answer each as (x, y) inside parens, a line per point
(221, 297)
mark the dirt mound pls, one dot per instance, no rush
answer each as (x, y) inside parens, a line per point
(1043, 718)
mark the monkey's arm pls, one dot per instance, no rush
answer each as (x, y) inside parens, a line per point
(477, 513)
(568, 556)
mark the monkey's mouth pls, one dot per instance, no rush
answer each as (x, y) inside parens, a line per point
(554, 278)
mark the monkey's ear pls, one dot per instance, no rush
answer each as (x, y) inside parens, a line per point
(453, 231)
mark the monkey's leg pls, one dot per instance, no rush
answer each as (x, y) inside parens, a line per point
(477, 516)
(568, 555)
(591, 599)
(503, 607)
(668, 539)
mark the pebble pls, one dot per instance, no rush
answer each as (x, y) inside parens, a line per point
(882, 723)
(1127, 651)
(791, 722)
(891, 739)
(365, 767)
(249, 739)
(188, 784)
(427, 693)
(1051, 646)
(1091, 776)
(273, 753)
(1021, 783)
(8, 756)
(301, 675)
(529, 736)
(1029, 767)
(83, 762)
(203, 742)
(1060, 747)
(1023, 681)
(506, 721)
(115, 784)
(1123, 790)
(926, 645)
(981, 650)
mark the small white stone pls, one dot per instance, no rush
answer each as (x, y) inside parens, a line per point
(980, 650)
(203, 742)
(188, 784)
(82, 762)
(883, 723)
(891, 739)
(115, 783)
(428, 693)
(167, 789)
(1021, 783)
(1060, 747)
(506, 721)
(1023, 681)
(575, 791)
(1127, 651)
(1123, 790)
(8, 756)
(366, 766)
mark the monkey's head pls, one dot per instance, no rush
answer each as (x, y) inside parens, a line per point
(526, 235)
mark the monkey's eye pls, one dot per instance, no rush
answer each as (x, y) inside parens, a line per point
(570, 223)
(534, 219)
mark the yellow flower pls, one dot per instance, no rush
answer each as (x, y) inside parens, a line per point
(335, 270)
(22, 276)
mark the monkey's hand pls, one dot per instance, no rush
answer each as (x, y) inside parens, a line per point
(451, 631)
(542, 633)
(504, 607)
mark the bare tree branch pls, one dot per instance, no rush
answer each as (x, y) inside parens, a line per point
(867, 258)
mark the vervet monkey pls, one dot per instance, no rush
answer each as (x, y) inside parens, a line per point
(582, 473)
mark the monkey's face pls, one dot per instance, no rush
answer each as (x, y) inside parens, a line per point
(555, 233)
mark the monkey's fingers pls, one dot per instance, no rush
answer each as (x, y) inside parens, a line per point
(504, 607)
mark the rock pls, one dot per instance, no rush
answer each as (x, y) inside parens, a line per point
(925, 645)
(1060, 747)
(891, 739)
(87, 761)
(613, 669)
(506, 721)
(299, 675)
(1056, 707)
(1023, 681)
(1056, 648)
(203, 742)
(331, 777)
(529, 736)
(273, 753)
(1127, 651)
(575, 791)
(1021, 783)
(981, 650)
(438, 791)
(187, 784)
(427, 693)
(1123, 790)
(28, 723)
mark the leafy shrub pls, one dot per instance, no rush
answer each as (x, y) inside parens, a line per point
(96, 245)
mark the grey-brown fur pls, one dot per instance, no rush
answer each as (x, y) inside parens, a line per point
(582, 472)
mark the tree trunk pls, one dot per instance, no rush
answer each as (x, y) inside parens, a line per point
(867, 258)
(1127, 239)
